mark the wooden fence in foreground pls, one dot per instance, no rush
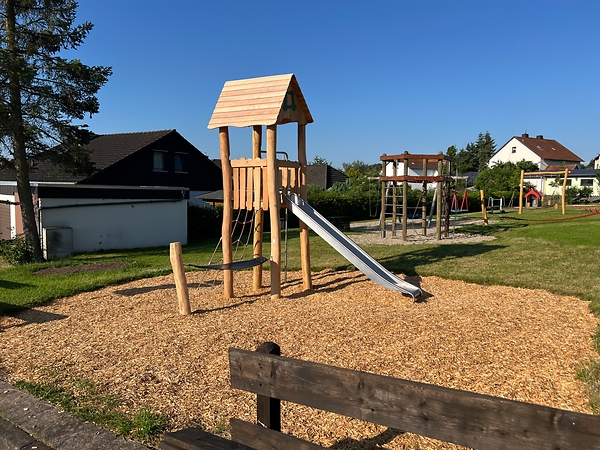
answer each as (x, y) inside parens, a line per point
(461, 417)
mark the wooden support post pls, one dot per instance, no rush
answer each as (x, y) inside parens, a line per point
(424, 204)
(394, 198)
(258, 211)
(564, 190)
(438, 211)
(183, 296)
(382, 213)
(268, 409)
(405, 201)
(446, 194)
(483, 210)
(304, 235)
(227, 227)
(521, 192)
(274, 205)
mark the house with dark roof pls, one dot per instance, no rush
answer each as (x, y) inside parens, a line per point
(324, 175)
(546, 153)
(136, 197)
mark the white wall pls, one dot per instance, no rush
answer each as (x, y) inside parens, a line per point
(521, 152)
(126, 225)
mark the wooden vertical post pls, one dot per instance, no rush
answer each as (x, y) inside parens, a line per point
(383, 187)
(274, 205)
(268, 409)
(564, 190)
(521, 192)
(446, 195)
(424, 204)
(483, 210)
(394, 198)
(227, 227)
(258, 211)
(405, 200)
(304, 236)
(438, 211)
(181, 286)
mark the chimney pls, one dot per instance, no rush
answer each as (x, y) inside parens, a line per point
(525, 135)
(539, 136)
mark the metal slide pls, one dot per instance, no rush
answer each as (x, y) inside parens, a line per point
(348, 248)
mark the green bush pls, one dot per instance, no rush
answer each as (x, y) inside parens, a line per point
(15, 251)
(204, 222)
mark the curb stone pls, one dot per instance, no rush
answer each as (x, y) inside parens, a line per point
(28, 420)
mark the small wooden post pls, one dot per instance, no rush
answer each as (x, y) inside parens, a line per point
(447, 200)
(521, 192)
(564, 190)
(483, 209)
(268, 409)
(304, 235)
(183, 297)
(258, 211)
(274, 204)
(405, 200)
(227, 227)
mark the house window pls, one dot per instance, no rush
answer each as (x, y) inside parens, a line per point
(160, 161)
(586, 182)
(569, 182)
(181, 162)
(514, 150)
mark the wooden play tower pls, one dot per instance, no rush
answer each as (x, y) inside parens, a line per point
(422, 169)
(258, 183)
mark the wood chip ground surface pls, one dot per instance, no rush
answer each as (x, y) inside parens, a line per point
(131, 342)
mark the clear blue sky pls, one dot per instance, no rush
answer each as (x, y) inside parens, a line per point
(378, 76)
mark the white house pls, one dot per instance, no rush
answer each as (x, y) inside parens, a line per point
(543, 152)
(597, 162)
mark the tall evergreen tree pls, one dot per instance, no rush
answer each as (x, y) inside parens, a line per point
(41, 92)
(486, 147)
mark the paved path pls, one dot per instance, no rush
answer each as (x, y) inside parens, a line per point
(28, 423)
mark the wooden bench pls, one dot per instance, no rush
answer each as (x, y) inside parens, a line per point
(461, 417)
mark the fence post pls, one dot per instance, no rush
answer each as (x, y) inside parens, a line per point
(268, 409)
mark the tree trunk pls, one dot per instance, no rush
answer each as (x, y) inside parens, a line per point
(18, 137)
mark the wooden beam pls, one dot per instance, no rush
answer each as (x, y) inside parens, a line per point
(520, 192)
(304, 232)
(261, 438)
(564, 190)
(274, 202)
(227, 227)
(258, 211)
(461, 417)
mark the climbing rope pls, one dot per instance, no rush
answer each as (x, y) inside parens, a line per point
(592, 213)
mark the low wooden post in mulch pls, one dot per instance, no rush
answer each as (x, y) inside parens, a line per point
(183, 296)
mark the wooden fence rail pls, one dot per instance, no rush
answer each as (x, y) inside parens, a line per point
(465, 418)
(461, 417)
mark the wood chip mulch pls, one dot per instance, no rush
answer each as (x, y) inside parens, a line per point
(131, 342)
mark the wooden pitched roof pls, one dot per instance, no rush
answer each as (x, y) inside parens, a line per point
(260, 101)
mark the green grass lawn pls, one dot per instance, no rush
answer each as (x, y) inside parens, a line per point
(562, 257)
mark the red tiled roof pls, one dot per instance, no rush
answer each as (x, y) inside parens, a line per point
(548, 149)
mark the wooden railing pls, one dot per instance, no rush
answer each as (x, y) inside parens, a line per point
(249, 186)
(461, 417)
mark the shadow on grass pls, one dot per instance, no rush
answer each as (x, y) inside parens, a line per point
(492, 228)
(5, 284)
(407, 263)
